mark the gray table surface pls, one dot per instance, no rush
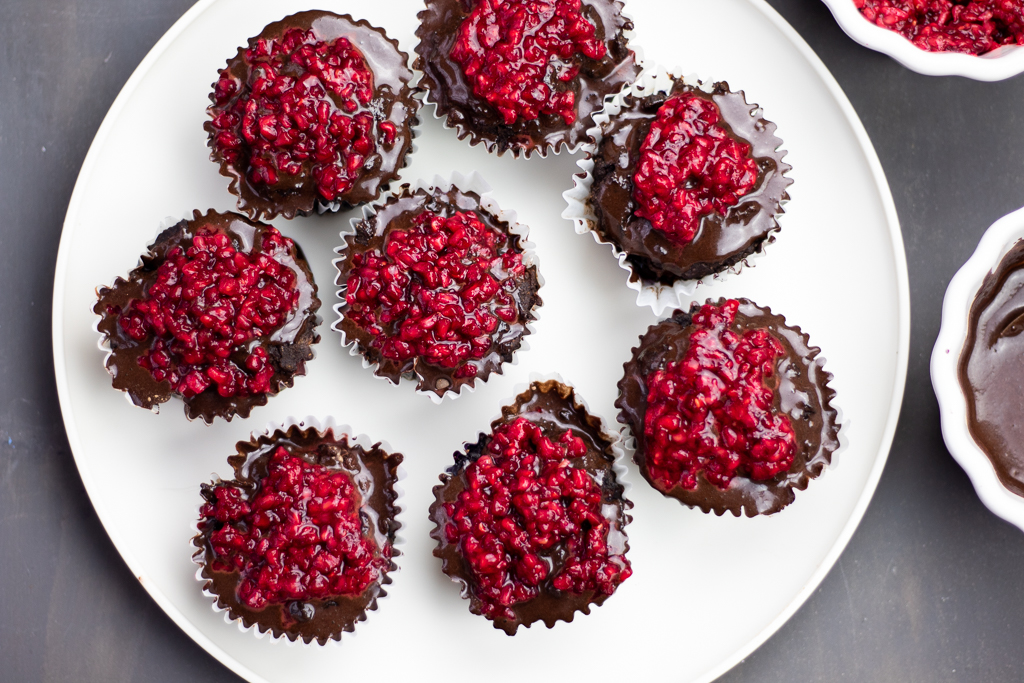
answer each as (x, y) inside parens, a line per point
(929, 589)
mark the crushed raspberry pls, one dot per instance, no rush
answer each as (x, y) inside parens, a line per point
(515, 53)
(689, 167)
(438, 291)
(525, 505)
(711, 411)
(208, 302)
(298, 112)
(974, 27)
(298, 536)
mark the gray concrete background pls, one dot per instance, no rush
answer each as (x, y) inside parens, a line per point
(929, 590)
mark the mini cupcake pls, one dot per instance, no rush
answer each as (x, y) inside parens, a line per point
(438, 287)
(523, 76)
(316, 113)
(730, 408)
(300, 542)
(221, 312)
(686, 183)
(530, 518)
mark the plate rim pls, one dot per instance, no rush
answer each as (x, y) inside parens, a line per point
(815, 579)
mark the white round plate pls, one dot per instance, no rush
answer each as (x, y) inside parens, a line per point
(997, 65)
(706, 590)
(945, 362)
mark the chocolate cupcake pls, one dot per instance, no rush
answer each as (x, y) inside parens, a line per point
(686, 183)
(730, 408)
(316, 113)
(438, 287)
(221, 312)
(523, 76)
(530, 518)
(301, 541)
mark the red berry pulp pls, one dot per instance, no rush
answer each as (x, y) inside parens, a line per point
(302, 111)
(974, 27)
(516, 52)
(207, 304)
(711, 412)
(438, 291)
(689, 167)
(523, 505)
(298, 536)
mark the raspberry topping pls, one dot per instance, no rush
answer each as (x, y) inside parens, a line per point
(207, 304)
(298, 536)
(302, 111)
(689, 167)
(711, 411)
(516, 53)
(529, 520)
(439, 291)
(973, 27)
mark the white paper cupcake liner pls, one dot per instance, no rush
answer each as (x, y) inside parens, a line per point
(658, 296)
(321, 426)
(475, 183)
(464, 132)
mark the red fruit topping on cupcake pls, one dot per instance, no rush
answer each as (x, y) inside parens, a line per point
(689, 167)
(517, 52)
(711, 411)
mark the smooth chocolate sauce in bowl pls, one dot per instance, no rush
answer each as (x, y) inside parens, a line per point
(991, 368)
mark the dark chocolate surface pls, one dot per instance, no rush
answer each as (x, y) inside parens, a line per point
(393, 101)
(801, 391)
(992, 368)
(553, 406)
(288, 347)
(473, 117)
(371, 234)
(374, 473)
(927, 591)
(722, 240)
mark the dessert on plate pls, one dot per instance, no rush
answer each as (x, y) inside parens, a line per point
(317, 112)
(222, 311)
(301, 541)
(530, 518)
(438, 287)
(523, 75)
(730, 408)
(686, 182)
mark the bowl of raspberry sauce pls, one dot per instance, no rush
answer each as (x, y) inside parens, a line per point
(979, 39)
(977, 368)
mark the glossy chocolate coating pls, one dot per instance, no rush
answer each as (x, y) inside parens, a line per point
(992, 368)
(800, 385)
(371, 234)
(553, 406)
(393, 100)
(288, 347)
(472, 116)
(374, 473)
(722, 240)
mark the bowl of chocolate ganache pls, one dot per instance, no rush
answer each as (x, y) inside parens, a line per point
(977, 368)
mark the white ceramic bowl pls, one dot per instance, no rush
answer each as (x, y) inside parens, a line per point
(956, 306)
(995, 66)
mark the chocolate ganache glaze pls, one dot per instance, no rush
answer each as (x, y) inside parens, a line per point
(722, 240)
(471, 116)
(552, 406)
(371, 235)
(373, 472)
(287, 347)
(801, 392)
(991, 370)
(393, 104)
